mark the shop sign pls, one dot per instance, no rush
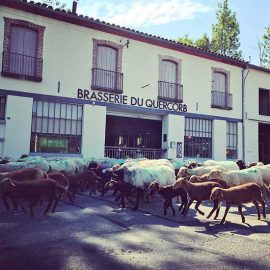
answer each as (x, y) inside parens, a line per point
(133, 101)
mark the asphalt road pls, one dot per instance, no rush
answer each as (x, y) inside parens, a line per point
(96, 234)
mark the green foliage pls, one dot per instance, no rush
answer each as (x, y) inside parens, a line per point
(264, 48)
(203, 42)
(225, 33)
(186, 40)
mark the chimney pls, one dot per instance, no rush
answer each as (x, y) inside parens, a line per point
(74, 7)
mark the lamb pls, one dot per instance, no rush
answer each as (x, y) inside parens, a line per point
(168, 193)
(198, 192)
(21, 175)
(185, 172)
(245, 193)
(33, 191)
(126, 190)
(204, 178)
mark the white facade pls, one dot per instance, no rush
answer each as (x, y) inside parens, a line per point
(68, 58)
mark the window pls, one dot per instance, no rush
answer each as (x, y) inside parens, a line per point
(198, 138)
(56, 127)
(231, 134)
(106, 72)
(2, 107)
(169, 87)
(264, 102)
(23, 45)
(221, 98)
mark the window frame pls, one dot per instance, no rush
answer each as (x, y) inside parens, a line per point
(8, 24)
(198, 126)
(118, 88)
(56, 118)
(230, 127)
(161, 84)
(4, 98)
(261, 90)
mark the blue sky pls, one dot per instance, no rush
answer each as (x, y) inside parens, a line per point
(174, 18)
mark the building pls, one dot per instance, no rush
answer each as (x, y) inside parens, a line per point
(74, 86)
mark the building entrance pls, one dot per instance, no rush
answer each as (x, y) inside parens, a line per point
(133, 137)
(264, 146)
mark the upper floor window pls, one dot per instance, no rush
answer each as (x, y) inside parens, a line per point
(221, 98)
(169, 87)
(23, 45)
(198, 138)
(231, 145)
(2, 107)
(107, 62)
(264, 102)
(56, 127)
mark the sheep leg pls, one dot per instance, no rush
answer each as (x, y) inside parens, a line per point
(6, 202)
(138, 199)
(55, 204)
(123, 203)
(48, 207)
(258, 209)
(217, 212)
(189, 204)
(241, 213)
(170, 204)
(21, 204)
(263, 208)
(216, 206)
(228, 205)
(185, 204)
(31, 209)
(165, 206)
(197, 207)
(70, 198)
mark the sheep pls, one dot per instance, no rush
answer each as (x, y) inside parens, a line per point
(234, 178)
(198, 192)
(78, 180)
(33, 191)
(143, 173)
(227, 165)
(185, 172)
(265, 171)
(21, 175)
(125, 189)
(168, 193)
(241, 164)
(245, 193)
(204, 178)
(62, 180)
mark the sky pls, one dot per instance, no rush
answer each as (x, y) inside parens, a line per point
(174, 18)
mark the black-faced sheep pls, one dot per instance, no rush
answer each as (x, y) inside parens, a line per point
(238, 195)
(168, 193)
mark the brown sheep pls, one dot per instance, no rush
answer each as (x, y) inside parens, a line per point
(21, 175)
(198, 192)
(245, 193)
(33, 191)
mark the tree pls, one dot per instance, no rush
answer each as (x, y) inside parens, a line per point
(264, 48)
(225, 33)
(203, 42)
(186, 40)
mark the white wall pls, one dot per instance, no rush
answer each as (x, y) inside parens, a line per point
(252, 141)
(18, 126)
(173, 126)
(219, 140)
(93, 136)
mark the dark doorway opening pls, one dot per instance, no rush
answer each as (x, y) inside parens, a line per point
(264, 145)
(133, 137)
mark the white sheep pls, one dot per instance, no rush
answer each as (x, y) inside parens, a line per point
(265, 171)
(185, 172)
(238, 177)
(227, 164)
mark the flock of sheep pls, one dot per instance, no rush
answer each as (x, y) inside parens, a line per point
(31, 181)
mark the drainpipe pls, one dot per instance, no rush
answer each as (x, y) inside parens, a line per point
(244, 76)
